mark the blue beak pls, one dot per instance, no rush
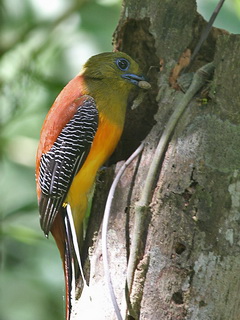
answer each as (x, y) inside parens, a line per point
(133, 78)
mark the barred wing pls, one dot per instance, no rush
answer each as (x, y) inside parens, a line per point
(63, 161)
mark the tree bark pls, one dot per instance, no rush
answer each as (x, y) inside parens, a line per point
(188, 259)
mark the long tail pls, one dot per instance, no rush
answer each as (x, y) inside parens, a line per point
(62, 234)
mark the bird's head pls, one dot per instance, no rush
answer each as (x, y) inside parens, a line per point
(109, 78)
(116, 68)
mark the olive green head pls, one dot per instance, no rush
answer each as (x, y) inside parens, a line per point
(116, 68)
(109, 78)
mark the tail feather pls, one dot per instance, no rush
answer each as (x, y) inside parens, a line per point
(69, 284)
(60, 232)
(75, 244)
(65, 236)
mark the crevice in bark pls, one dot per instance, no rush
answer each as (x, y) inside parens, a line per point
(189, 191)
(138, 286)
(133, 37)
(177, 297)
(180, 248)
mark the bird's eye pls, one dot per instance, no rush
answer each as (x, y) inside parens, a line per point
(123, 64)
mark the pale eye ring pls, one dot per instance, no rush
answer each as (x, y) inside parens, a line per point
(123, 64)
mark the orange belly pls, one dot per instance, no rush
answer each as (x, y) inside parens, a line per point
(105, 141)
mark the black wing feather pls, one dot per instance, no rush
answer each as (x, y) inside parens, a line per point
(63, 161)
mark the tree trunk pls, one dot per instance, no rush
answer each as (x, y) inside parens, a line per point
(188, 261)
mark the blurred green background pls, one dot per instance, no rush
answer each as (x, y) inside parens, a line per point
(43, 44)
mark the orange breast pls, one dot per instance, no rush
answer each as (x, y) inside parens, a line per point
(105, 141)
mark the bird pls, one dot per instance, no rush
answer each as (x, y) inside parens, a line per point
(79, 133)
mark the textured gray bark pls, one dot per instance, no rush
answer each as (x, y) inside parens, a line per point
(189, 261)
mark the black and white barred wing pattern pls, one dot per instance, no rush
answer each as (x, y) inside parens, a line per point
(63, 161)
